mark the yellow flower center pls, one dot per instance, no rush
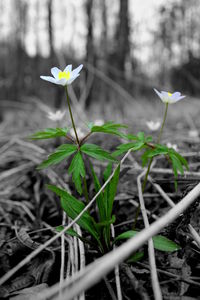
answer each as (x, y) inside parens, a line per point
(64, 74)
(169, 94)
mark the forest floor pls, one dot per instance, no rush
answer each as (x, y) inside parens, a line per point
(29, 212)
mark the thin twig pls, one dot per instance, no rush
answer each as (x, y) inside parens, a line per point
(151, 252)
(161, 192)
(194, 234)
(117, 278)
(75, 242)
(62, 267)
(81, 256)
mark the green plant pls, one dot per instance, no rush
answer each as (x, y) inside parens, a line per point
(151, 150)
(78, 150)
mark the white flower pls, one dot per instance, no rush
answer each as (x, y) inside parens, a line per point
(63, 77)
(167, 97)
(79, 131)
(193, 133)
(56, 116)
(173, 146)
(99, 122)
(153, 126)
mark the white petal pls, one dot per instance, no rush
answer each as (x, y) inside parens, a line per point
(48, 78)
(158, 93)
(177, 98)
(68, 68)
(62, 81)
(77, 70)
(176, 95)
(181, 97)
(55, 71)
(72, 79)
(165, 94)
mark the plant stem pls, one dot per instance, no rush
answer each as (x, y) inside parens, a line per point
(158, 141)
(146, 175)
(163, 123)
(149, 165)
(85, 138)
(71, 116)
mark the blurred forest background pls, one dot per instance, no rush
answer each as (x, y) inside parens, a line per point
(127, 48)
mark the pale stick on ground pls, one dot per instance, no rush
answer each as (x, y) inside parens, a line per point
(62, 267)
(117, 278)
(152, 261)
(81, 256)
(95, 271)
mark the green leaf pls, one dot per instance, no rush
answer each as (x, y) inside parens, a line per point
(145, 157)
(97, 152)
(106, 223)
(49, 133)
(160, 242)
(110, 191)
(148, 139)
(135, 257)
(61, 153)
(132, 137)
(125, 147)
(159, 150)
(126, 235)
(77, 169)
(100, 199)
(164, 244)
(105, 202)
(176, 163)
(141, 136)
(149, 153)
(110, 128)
(107, 172)
(73, 208)
(182, 160)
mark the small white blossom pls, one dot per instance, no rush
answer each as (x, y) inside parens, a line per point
(193, 133)
(65, 77)
(98, 122)
(153, 125)
(173, 146)
(167, 97)
(79, 131)
(56, 116)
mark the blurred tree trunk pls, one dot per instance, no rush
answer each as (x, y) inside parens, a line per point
(103, 55)
(36, 60)
(90, 42)
(122, 36)
(54, 60)
(50, 27)
(20, 9)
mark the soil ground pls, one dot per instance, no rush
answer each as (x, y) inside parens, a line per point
(29, 212)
